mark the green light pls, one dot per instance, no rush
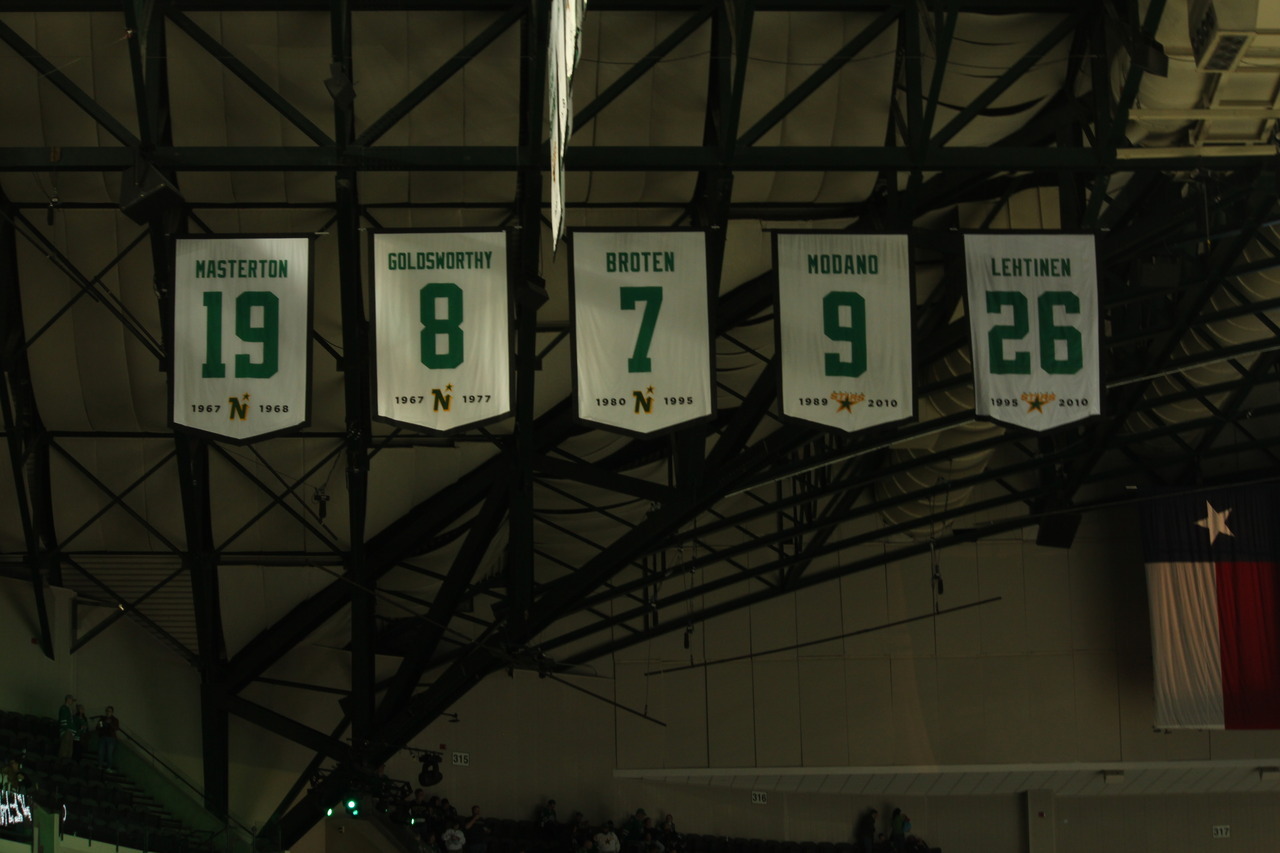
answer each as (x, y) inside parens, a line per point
(328, 812)
(351, 804)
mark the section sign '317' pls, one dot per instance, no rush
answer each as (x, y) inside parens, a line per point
(441, 328)
(641, 328)
(1033, 314)
(241, 335)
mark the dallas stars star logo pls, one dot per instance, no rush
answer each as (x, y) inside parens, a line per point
(846, 405)
(1036, 405)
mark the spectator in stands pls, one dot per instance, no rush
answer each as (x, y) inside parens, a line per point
(649, 840)
(454, 839)
(607, 840)
(66, 727)
(477, 832)
(12, 777)
(866, 830)
(632, 834)
(579, 829)
(899, 825)
(546, 819)
(80, 732)
(584, 845)
(108, 725)
(667, 833)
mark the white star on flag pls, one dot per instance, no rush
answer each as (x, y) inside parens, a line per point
(1215, 522)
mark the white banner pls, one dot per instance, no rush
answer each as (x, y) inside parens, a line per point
(641, 328)
(441, 328)
(1033, 315)
(564, 45)
(844, 328)
(241, 335)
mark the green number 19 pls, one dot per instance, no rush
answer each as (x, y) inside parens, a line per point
(652, 299)
(266, 333)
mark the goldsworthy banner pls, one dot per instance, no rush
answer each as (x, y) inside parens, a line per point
(641, 328)
(844, 328)
(441, 328)
(241, 335)
(1033, 315)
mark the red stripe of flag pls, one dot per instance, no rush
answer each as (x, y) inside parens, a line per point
(1249, 631)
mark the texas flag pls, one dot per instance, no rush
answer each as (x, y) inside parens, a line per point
(1213, 584)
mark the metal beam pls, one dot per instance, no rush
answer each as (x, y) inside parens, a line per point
(246, 75)
(25, 435)
(49, 72)
(443, 74)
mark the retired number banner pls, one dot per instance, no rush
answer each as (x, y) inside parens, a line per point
(1033, 314)
(441, 328)
(242, 335)
(844, 328)
(641, 328)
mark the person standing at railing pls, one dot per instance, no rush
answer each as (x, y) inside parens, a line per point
(80, 732)
(66, 727)
(108, 725)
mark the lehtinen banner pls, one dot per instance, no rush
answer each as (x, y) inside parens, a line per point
(1033, 315)
(844, 328)
(641, 328)
(441, 328)
(242, 335)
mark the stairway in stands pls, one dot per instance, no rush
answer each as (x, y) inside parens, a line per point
(108, 807)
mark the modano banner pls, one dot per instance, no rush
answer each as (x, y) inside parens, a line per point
(641, 328)
(442, 342)
(241, 335)
(844, 328)
(1033, 315)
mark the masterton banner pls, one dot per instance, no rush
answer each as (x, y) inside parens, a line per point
(1033, 314)
(1213, 585)
(242, 334)
(844, 328)
(441, 328)
(641, 328)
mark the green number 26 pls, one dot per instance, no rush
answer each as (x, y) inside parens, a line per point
(1071, 361)
(266, 333)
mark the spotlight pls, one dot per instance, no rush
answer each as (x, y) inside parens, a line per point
(353, 807)
(430, 773)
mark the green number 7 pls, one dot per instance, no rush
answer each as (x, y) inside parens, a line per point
(652, 299)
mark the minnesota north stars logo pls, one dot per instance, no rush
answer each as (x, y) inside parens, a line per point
(1035, 402)
(644, 400)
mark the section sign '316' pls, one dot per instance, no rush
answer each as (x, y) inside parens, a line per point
(241, 335)
(441, 328)
(641, 328)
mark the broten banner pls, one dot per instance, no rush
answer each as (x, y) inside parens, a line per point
(1033, 315)
(242, 335)
(442, 343)
(641, 328)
